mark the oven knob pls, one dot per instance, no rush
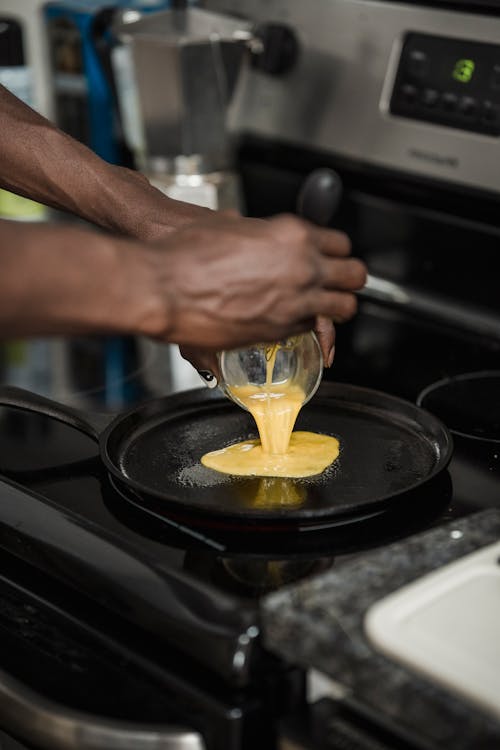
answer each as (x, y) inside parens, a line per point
(468, 106)
(430, 97)
(489, 113)
(418, 63)
(450, 101)
(278, 50)
(409, 93)
(495, 77)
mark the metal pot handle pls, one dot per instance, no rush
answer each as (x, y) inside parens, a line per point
(50, 726)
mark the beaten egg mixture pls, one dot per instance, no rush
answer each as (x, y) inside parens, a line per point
(279, 452)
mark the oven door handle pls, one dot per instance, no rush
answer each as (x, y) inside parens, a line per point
(51, 726)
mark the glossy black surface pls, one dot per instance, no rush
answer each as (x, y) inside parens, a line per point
(468, 403)
(388, 447)
(81, 487)
(430, 236)
(80, 484)
(81, 657)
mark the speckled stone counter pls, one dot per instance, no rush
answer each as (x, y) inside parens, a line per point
(319, 623)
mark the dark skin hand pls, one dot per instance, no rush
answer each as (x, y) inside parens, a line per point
(308, 265)
(185, 274)
(285, 273)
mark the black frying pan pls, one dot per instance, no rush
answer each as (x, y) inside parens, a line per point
(388, 449)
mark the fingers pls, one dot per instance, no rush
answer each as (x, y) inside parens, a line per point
(331, 241)
(338, 306)
(325, 332)
(347, 274)
(235, 281)
(337, 269)
(230, 213)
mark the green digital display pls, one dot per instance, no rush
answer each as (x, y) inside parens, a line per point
(463, 70)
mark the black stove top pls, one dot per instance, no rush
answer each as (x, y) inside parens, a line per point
(63, 468)
(379, 350)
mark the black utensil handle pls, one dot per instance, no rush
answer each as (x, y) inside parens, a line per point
(319, 196)
(27, 401)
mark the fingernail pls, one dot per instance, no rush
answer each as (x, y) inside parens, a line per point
(208, 378)
(331, 355)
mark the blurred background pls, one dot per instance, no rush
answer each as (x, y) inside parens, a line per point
(58, 58)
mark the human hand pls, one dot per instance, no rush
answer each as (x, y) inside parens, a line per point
(230, 282)
(207, 363)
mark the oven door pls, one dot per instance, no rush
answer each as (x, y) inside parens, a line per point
(66, 684)
(8, 743)
(51, 726)
(341, 725)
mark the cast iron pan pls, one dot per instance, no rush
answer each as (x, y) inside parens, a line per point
(388, 448)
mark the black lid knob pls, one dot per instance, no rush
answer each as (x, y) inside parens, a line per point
(279, 51)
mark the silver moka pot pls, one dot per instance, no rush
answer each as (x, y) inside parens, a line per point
(175, 71)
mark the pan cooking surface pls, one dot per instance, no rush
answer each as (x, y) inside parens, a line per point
(387, 447)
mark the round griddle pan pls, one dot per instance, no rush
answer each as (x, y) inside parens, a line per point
(388, 448)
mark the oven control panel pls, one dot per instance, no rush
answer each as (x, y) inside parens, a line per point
(449, 82)
(412, 86)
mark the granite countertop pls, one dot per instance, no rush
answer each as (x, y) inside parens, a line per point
(318, 623)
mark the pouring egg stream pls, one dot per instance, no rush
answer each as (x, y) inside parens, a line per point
(280, 452)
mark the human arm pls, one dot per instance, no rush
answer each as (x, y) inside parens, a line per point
(41, 162)
(218, 284)
(67, 280)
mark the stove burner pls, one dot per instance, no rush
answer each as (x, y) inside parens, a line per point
(251, 576)
(468, 404)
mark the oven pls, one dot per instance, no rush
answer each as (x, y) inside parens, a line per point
(133, 628)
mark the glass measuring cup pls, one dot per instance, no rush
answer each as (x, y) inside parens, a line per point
(294, 362)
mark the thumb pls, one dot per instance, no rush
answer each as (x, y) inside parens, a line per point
(325, 331)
